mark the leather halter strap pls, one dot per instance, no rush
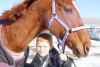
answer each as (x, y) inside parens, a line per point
(62, 23)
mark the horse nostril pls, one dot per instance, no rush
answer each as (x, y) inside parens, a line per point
(87, 48)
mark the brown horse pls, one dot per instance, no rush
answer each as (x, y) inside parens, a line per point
(22, 23)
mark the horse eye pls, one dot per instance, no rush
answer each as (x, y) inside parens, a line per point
(68, 10)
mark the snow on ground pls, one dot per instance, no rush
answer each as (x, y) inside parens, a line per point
(90, 61)
(93, 59)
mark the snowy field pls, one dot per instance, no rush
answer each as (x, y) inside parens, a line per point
(93, 59)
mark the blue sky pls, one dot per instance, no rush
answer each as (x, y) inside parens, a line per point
(87, 8)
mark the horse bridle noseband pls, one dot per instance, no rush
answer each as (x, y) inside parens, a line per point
(68, 30)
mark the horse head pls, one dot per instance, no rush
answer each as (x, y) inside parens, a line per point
(65, 21)
(24, 22)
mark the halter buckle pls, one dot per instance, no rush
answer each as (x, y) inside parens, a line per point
(70, 31)
(54, 14)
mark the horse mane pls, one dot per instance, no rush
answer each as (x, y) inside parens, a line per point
(17, 11)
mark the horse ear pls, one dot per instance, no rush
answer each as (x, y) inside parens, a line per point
(69, 0)
(72, 0)
(29, 0)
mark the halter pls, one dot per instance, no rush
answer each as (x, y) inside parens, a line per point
(62, 23)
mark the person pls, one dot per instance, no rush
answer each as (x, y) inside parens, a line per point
(44, 47)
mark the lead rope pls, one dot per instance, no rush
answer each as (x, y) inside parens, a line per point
(72, 61)
(64, 50)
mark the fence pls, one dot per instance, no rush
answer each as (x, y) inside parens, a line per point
(94, 31)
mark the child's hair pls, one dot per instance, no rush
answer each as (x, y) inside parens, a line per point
(48, 37)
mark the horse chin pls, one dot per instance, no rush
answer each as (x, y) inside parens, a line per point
(79, 54)
(79, 50)
(75, 51)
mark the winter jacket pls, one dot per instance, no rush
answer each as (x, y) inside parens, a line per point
(51, 61)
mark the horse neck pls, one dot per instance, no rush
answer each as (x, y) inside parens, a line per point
(29, 29)
(20, 42)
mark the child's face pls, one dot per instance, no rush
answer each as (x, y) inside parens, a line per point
(42, 46)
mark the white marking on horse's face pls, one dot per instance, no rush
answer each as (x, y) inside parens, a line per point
(75, 5)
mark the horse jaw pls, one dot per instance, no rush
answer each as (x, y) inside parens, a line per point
(79, 47)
